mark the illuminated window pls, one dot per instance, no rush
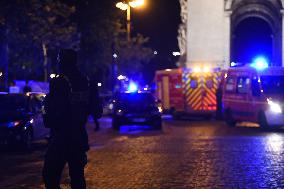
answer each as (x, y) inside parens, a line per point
(230, 84)
(243, 85)
(255, 85)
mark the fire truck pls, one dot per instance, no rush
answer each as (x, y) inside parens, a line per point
(188, 90)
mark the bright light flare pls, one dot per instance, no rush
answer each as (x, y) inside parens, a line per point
(132, 87)
(52, 76)
(274, 107)
(197, 69)
(115, 55)
(176, 53)
(121, 77)
(136, 3)
(206, 70)
(233, 64)
(122, 6)
(260, 63)
(99, 84)
(275, 142)
(1, 74)
(226, 75)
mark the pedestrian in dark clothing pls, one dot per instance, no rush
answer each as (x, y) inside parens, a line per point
(97, 124)
(27, 88)
(70, 100)
(97, 114)
(219, 108)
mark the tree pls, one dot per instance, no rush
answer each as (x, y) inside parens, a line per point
(43, 25)
(133, 56)
(103, 34)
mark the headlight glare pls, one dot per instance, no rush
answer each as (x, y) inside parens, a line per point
(274, 107)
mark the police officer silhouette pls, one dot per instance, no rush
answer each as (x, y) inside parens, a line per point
(71, 99)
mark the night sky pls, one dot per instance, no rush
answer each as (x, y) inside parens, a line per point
(159, 20)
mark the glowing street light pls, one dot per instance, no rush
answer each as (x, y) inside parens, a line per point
(137, 3)
(126, 6)
(122, 6)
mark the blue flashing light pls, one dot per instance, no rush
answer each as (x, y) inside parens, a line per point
(260, 63)
(132, 87)
(233, 64)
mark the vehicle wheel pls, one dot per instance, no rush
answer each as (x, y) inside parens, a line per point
(27, 139)
(172, 111)
(176, 116)
(208, 117)
(158, 125)
(262, 121)
(229, 118)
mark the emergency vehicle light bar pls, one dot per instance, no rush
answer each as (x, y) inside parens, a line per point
(201, 69)
(260, 63)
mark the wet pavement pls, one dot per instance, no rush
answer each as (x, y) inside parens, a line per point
(185, 154)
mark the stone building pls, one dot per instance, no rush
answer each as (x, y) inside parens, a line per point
(208, 29)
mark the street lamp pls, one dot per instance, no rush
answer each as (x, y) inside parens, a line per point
(126, 6)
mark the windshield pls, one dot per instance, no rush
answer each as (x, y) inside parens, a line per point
(136, 100)
(272, 84)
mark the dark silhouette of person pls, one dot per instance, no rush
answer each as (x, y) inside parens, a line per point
(97, 115)
(70, 100)
(27, 88)
(219, 108)
(97, 123)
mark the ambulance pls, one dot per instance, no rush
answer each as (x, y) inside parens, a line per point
(188, 90)
(254, 93)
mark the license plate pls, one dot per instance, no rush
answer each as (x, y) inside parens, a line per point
(139, 120)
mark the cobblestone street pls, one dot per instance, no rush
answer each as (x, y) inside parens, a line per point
(186, 154)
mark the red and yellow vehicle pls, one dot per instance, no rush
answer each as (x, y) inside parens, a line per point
(188, 91)
(254, 94)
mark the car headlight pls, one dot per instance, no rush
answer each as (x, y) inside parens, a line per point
(13, 124)
(274, 107)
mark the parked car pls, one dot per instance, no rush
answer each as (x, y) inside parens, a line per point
(16, 120)
(136, 109)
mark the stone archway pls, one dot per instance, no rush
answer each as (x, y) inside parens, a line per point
(208, 27)
(269, 11)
